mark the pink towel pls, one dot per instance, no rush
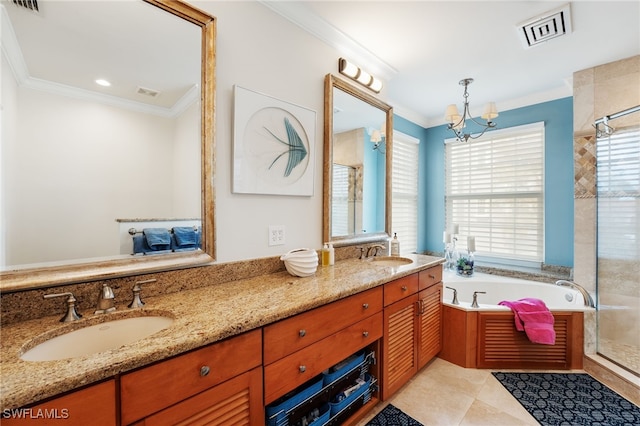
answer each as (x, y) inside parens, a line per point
(534, 318)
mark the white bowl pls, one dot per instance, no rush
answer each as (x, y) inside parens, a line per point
(301, 262)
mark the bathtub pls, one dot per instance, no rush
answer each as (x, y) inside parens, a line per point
(499, 288)
(485, 337)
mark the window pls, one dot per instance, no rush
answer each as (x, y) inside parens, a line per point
(404, 208)
(494, 191)
(618, 177)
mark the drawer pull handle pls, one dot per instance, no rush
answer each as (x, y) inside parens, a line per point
(365, 333)
(302, 368)
(204, 370)
(433, 277)
(302, 333)
(365, 305)
(404, 288)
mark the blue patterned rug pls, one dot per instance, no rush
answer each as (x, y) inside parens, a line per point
(569, 399)
(391, 416)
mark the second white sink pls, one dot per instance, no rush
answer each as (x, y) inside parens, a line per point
(97, 338)
(391, 260)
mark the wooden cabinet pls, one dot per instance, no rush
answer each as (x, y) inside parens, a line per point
(412, 327)
(300, 348)
(95, 404)
(152, 389)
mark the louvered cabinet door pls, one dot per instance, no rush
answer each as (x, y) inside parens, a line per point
(399, 349)
(430, 324)
(237, 401)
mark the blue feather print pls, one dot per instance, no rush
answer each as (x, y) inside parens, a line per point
(296, 150)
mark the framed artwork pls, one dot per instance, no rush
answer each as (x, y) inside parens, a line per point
(273, 145)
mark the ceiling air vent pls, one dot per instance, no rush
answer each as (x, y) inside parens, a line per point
(147, 92)
(545, 27)
(27, 4)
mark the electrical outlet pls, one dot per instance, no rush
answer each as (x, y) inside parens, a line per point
(276, 235)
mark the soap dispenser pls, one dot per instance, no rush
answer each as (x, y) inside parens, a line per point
(332, 254)
(395, 245)
(326, 255)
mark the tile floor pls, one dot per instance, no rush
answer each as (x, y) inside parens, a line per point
(443, 394)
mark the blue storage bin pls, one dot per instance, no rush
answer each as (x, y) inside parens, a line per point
(283, 407)
(332, 377)
(336, 407)
(324, 417)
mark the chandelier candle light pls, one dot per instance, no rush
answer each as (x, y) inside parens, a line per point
(457, 122)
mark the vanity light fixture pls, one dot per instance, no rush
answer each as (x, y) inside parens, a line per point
(457, 122)
(358, 74)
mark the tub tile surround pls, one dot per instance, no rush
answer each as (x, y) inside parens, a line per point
(203, 315)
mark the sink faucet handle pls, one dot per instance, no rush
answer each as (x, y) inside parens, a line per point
(71, 314)
(137, 302)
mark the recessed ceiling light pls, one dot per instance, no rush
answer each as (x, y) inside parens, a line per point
(103, 82)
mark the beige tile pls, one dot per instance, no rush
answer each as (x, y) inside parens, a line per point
(497, 396)
(482, 414)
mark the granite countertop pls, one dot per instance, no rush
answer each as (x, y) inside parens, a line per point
(202, 316)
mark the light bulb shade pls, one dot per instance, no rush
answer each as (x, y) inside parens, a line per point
(451, 114)
(376, 85)
(376, 136)
(458, 123)
(347, 68)
(364, 78)
(490, 111)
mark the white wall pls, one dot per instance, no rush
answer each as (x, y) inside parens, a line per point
(261, 51)
(8, 105)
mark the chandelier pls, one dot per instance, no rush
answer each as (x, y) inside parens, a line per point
(457, 122)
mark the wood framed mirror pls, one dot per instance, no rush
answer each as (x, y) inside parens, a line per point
(358, 148)
(46, 273)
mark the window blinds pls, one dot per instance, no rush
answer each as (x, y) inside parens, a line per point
(494, 190)
(618, 183)
(404, 183)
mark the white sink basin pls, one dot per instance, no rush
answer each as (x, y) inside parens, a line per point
(391, 260)
(97, 338)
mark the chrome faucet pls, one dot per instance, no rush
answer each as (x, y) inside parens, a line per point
(455, 296)
(474, 304)
(588, 300)
(137, 302)
(71, 314)
(106, 300)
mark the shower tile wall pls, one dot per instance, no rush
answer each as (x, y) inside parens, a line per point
(597, 92)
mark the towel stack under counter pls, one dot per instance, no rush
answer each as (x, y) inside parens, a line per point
(162, 240)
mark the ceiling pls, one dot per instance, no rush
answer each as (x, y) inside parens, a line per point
(422, 49)
(419, 49)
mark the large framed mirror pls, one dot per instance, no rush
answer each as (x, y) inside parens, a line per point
(71, 175)
(358, 141)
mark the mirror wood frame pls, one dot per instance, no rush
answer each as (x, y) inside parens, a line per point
(331, 81)
(23, 279)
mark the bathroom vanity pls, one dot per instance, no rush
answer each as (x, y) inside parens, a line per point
(228, 339)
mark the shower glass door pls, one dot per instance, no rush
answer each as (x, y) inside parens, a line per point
(618, 246)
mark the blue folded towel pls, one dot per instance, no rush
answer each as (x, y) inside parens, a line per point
(185, 236)
(157, 238)
(140, 246)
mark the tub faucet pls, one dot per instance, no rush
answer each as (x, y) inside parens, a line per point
(474, 304)
(106, 300)
(588, 300)
(455, 296)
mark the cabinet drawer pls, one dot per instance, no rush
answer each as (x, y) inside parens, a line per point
(430, 277)
(292, 371)
(295, 333)
(400, 288)
(153, 388)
